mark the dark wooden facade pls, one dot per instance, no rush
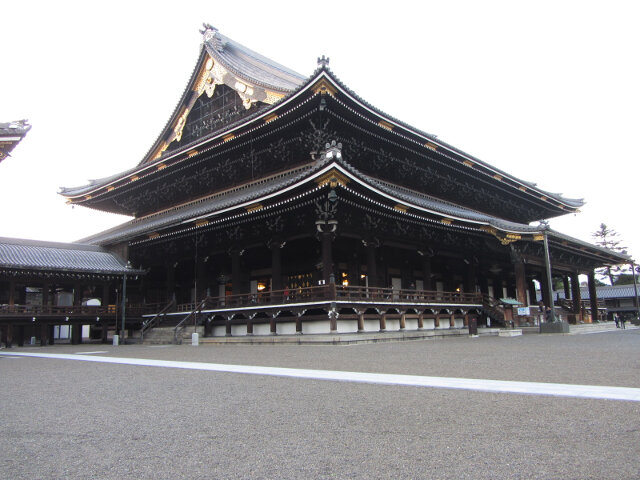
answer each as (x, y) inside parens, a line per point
(266, 182)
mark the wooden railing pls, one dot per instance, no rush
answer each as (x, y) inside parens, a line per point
(156, 319)
(325, 293)
(74, 310)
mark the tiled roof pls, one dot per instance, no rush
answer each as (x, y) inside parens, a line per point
(207, 205)
(250, 65)
(606, 292)
(21, 254)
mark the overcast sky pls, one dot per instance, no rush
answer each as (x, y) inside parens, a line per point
(547, 91)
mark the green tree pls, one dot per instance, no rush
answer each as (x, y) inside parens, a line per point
(610, 239)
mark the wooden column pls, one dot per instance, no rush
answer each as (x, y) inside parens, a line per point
(276, 265)
(521, 282)
(421, 320)
(12, 292)
(20, 339)
(546, 294)
(201, 281)
(236, 273)
(44, 335)
(383, 322)
(470, 279)
(76, 329)
(565, 284)
(426, 272)
(593, 296)
(372, 265)
(327, 256)
(575, 294)
(8, 341)
(532, 292)
(170, 287)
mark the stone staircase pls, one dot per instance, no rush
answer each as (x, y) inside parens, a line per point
(164, 335)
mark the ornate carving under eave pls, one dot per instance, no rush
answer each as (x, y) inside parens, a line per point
(333, 178)
(505, 238)
(324, 87)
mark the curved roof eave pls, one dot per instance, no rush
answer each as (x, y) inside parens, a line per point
(572, 203)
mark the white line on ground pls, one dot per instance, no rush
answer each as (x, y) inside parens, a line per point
(91, 353)
(482, 385)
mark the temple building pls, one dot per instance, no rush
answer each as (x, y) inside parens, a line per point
(275, 203)
(10, 135)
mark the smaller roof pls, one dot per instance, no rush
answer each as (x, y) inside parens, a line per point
(10, 135)
(21, 254)
(510, 301)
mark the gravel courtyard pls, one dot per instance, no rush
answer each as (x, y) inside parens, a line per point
(64, 419)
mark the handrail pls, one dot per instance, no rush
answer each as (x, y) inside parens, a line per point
(153, 322)
(324, 293)
(71, 310)
(177, 331)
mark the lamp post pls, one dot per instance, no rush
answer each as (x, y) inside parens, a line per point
(124, 300)
(547, 262)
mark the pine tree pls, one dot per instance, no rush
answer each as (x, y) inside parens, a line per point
(610, 239)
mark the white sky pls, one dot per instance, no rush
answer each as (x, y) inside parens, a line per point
(548, 91)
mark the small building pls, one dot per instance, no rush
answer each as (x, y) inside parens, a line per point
(10, 135)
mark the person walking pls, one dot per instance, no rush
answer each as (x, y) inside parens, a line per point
(623, 320)
(616, 319)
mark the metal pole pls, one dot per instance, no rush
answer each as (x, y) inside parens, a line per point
(547, 262)
(635, 289)
(124, 300)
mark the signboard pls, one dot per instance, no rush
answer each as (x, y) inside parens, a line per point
(524, 311)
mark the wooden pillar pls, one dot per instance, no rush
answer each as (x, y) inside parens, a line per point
(593, 296)
(327, 257)
(276, 265)
(12, 292)
(44, 335)
(575, 294)
(273, 330)
(372, 265)
(546, 294)
(383, 322)
(426, 272)
(236, 272)
(436, 321)
(565, 284)
(170, 288)
(105, 331)
(76, 329)
(227, 327)
(46, 298)
(8, 341)
(532, 292)
(201, 281)
(452, 321)
(361, 321)
(403, 321)
(20, 336)
(521, 282)
(250, 326)
(470, 279)
(420, 320)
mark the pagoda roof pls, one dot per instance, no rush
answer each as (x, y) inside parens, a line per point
(242, 64)
(278, 189)
(33, 255)
(10, 135)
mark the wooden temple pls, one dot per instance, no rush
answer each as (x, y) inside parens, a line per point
(11, 134)
(278, 203)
